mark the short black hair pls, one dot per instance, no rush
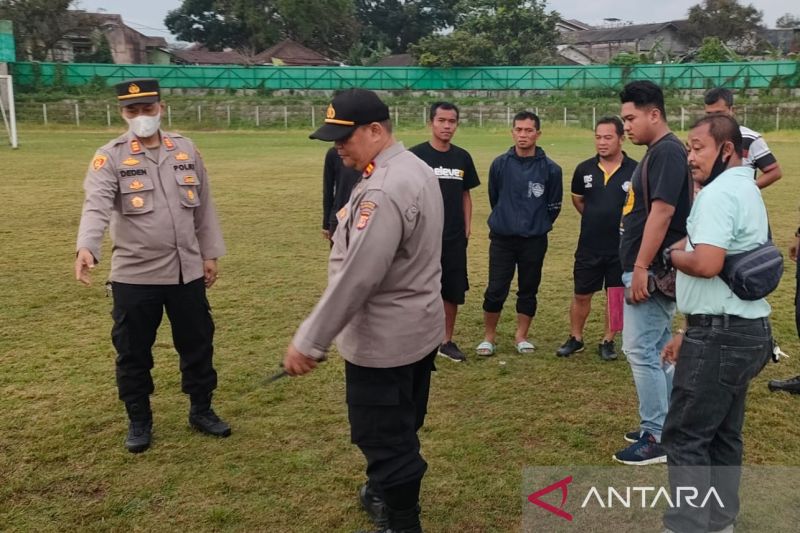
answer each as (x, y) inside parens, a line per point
(719, 93)
(447, 106)
(643, 94)
(723, 129)
(615, 121)
(528, 115)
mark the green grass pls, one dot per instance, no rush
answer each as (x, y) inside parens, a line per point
(289, 465)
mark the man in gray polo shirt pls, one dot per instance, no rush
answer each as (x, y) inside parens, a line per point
(382, 304)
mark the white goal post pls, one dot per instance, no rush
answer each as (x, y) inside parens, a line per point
(7, 108)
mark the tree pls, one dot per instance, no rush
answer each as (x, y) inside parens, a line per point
(397, 24)
(728, 20)
(251, 26)
(714, 51)
(494, 32)
(787, 21)
(40, 24)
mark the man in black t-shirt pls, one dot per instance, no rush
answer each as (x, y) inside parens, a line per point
(599, 187)
(337, 184)
(457, 175)
(652, 219)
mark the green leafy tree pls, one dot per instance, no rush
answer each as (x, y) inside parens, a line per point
(728, 20)
(251, 26)
(494, 32)
(397, 24)
(788, 21)
(40, 24)
(714, 51)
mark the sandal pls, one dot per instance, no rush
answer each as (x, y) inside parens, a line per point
(525, 347)
(485, 349)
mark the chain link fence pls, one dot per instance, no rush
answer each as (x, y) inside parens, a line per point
(247, 115)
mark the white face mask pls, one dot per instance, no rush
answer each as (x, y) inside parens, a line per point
(144, 125)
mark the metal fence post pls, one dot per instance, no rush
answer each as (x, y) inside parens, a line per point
(77, 114)
(508, 116)
(313, 118)
(565, 117)
(480, 117)
(44, 113)
(169, 116)
(108, 115)
(594, 116)
(199, 114)
(424, 116)
(258, 118)
(683, 118)
(745, 115)
(228, 109)
(396, 116)
(285, 117)
(778, 118)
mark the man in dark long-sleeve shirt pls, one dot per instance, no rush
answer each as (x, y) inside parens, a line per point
(337, 183)
(525, 192)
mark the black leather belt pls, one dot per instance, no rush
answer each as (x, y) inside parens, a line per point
(707, 321)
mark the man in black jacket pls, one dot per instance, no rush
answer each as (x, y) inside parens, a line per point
(525, 192)
(337, 183)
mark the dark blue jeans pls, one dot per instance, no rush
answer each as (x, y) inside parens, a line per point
(703, 430)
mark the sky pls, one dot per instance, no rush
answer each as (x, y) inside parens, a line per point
(147, 16)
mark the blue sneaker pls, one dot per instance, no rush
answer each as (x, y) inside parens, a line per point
(645, 451)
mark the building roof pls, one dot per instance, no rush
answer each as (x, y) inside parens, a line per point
(631, 32)
(202, 56)
(292, 53)
(572, 25)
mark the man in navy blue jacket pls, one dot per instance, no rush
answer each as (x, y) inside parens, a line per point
(525, 190)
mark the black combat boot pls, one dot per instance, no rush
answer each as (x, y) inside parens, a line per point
(401, 521)
(374, 505)
(203, 418)
(140, 427)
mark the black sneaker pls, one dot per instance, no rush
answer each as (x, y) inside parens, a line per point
(374, 506)
(608, 351)
(791, 385)
(206, 421)
(570, 347)
(633, 436)
(451, 351)
(139, 435)
(645, 451)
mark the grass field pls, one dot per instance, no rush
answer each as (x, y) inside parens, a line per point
(289, 466)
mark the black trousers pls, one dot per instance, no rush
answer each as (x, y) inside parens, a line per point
(703, 430)
(386, 408)
(137, 314)
(526, 255)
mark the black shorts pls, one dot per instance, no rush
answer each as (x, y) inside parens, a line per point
(594, 271)
(455, 283)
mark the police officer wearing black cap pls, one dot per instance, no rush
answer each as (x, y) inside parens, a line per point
(382, 304)
(151, 187)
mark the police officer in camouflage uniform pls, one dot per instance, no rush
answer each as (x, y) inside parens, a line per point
(152, 187)
(382, 304)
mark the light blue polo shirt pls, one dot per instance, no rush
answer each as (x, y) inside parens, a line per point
(728, 213)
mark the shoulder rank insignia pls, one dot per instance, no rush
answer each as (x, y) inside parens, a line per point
(137, 202)
(365, 210)
(98, 162)
(131, 162)
(136, 147)
(368, 170)
(136, 185)
(182, 156)
(189, 180)
(168, 144)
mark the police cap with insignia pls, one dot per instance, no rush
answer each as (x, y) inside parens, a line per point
(348, 110)
(139, 91)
